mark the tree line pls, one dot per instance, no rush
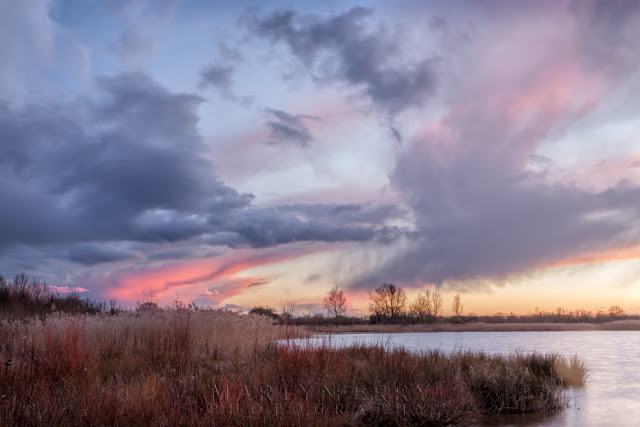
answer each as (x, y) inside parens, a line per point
(388, 304)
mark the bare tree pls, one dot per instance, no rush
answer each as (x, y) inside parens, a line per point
(335, 302)
(616, 310)
(422, 307)
(436, 302)
(288, 308)
(457, 306)
(388, 300)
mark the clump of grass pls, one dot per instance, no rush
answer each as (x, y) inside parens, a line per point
(572, 371)
(203, 367)
(516, 384)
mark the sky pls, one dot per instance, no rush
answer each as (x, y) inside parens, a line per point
(246, 153)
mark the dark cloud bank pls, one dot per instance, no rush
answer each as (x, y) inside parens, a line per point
(130, 165)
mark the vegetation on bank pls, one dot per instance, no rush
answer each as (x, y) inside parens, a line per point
(25, 297)
(201, 367)
(388, 305)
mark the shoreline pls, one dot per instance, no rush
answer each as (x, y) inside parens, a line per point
(616, 325)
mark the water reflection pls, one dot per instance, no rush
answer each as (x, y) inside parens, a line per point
(611, 397)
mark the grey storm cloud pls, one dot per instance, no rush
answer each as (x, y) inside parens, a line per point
(97, 253)
(352, 213)
(473, 225)
(285, 128)
(479, 213)
(265, 227)
(348, 49)
(476, 219)
(130, 165)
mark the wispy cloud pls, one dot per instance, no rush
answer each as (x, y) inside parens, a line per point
(285, 128)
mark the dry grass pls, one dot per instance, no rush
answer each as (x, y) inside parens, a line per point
(618, 325)
(571, 370)
(182, 367)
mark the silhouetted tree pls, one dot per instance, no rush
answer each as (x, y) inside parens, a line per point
(335, 302)
(388, 300)
(436, 302)
(422, 307)
(616, 310)
(457, 306)
(288, 308)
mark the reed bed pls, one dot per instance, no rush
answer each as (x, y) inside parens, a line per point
(208, 367)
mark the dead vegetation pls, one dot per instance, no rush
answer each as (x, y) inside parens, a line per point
(203, 367)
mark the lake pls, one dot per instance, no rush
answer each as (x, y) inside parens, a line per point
(610, 398)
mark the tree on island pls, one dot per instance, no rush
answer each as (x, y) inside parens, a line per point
(335, 302)
(388, 300)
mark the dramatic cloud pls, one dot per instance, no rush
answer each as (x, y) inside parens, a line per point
(286, 128)
(202, 148)
(347, 48)
(480, 209)
(351, 213)
(97, 253)
(130, 165)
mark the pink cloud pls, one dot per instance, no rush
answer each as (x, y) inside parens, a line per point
(68, 290)
(184, 276)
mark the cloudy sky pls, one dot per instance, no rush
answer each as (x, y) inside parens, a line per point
(241, 153)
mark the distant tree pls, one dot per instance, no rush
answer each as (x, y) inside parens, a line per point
(388, 300)
(265, 311)
(113, 307)
(422, 307)
(616, 310)
(20, 282)
(147, 306)
(436, 302)
(335, 302)
(457, 306)
(288, 308)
